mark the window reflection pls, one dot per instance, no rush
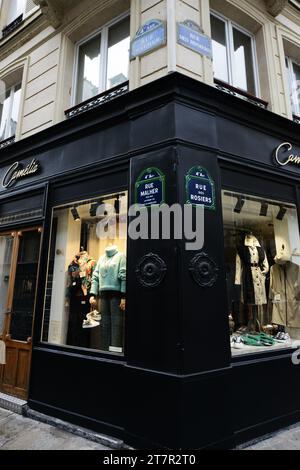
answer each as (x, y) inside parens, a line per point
(9, 112)
(89, 69)
(220, 62)
(118, 50)
(244, 75)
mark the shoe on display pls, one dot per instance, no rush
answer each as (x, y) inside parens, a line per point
(282, 337)
(89, 323)
(238, 342)
(279, 337)
(94, 315)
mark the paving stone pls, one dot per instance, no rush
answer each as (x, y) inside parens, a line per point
(19, 433)
(13, 426)
(4, 414)
(287, 439)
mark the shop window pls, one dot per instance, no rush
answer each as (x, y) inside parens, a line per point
(103, 60)
(262, 259)
(293, 73)
(86, 281)
(234, 55)
(9, 111)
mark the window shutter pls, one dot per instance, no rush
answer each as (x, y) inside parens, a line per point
(29, 6)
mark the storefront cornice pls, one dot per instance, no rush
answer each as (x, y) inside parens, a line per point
(174, 88)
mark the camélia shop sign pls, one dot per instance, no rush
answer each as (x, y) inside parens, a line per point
(285, 155)
(17, 171)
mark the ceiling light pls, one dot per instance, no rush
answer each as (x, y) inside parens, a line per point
(93, 209)
(239, 205)
(75, 214)
(281, 213)
(263, 209)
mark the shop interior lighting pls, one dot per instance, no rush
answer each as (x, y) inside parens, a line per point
(94, 207)
(239, 205)
(75, 214)
(264, 209)
(281, 213)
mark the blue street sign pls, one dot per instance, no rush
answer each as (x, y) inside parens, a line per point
(149, 37)
(200, 188)
(189, 35)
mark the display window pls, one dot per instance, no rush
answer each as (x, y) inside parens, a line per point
(262, 261)
(85, 299)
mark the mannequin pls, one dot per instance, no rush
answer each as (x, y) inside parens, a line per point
(251, 268)
(80, 273)
(109, 284)
(285, 291)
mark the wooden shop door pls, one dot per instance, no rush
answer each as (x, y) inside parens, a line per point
(19, 260)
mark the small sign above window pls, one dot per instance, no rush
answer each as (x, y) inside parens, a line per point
(189, 35)
(150, 36)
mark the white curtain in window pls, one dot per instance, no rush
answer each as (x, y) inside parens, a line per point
(16, 8)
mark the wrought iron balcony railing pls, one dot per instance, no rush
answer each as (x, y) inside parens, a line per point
(98, 100)
(231, 90)
(12, 26)
(5, 143)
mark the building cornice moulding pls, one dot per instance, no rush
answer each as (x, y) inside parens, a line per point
(23, 36)
(275, 7)
(53, 11)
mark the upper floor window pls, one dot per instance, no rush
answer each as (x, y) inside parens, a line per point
(234, 56)
(293, 70)
(103, 60)
(9, 111)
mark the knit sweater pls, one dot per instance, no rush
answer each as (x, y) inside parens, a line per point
(110, 272)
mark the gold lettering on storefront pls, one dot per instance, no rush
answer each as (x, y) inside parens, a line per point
(283, 158)
(17, 171)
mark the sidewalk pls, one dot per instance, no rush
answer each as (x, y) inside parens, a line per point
(286, 439)
(20, 433)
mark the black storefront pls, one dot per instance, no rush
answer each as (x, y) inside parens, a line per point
(175, 384)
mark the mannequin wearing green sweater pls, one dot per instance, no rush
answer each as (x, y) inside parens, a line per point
(109, 284)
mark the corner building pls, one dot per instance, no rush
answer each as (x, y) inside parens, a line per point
(107, 104)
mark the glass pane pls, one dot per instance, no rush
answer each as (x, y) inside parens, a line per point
(220, 57)
(118, 53)
(25, 286)
(4, 113)
(15, 110)
(296, 89)
(16, 8)
(262, 259)
(87, 263)
(243, 62)
(6, 247)
(88, 78)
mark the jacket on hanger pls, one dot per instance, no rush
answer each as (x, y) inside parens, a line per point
(251, 268)
(285, 294)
